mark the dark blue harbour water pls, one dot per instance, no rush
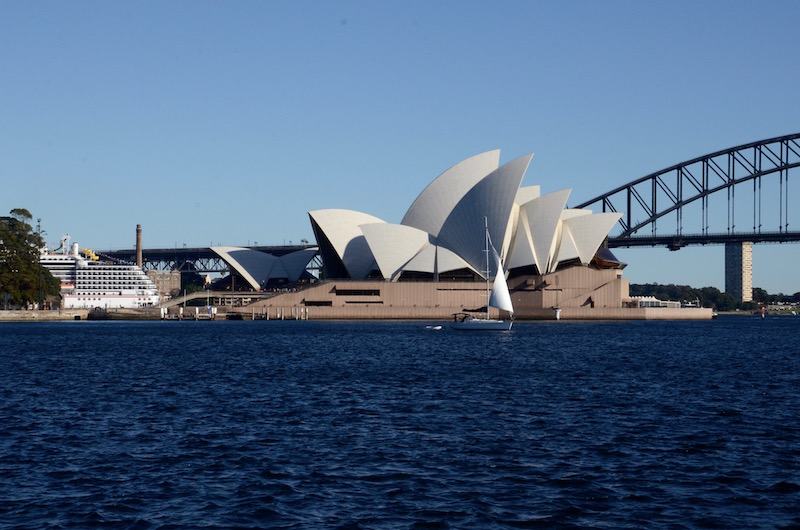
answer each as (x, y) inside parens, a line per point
(389, 425)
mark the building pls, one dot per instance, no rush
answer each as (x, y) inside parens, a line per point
(433, 263)
(168, 283)
(442, 234)
(739, 270)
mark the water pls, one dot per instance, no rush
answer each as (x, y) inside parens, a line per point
(389, 425)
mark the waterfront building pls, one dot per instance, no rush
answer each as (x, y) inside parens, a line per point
(168, 283)
(433, 263)
(441, 235)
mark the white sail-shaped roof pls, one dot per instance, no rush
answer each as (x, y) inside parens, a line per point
(539, 221)
(278, 270)
(569, 213)
(295, 263)
(521, 252)
(567, 248)
(252, 265)
(546, 210)
(493, 198)
(432, 207)
(257, 267)
(342, 228)
(393, 245)
(432, 259)
(527, 194)
(589, 231)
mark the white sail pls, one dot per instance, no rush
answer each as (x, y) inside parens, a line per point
(500, 297)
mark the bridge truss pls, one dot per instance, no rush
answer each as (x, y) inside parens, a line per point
(761, 168)
(196, 260)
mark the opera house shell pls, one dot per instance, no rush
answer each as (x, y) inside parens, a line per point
(432, 264)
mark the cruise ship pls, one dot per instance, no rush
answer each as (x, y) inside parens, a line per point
(87, 282)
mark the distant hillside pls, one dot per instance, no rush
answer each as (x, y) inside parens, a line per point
(708, 296)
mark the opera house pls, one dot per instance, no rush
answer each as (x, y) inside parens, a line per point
(433, 264)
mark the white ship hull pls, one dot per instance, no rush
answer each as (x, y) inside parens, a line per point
(119, 301)
(483, 324)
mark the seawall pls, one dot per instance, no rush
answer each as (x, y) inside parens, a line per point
(44, 315)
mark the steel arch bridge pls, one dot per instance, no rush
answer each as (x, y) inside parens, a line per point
(760, 167)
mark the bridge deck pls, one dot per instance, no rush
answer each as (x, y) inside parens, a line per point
(674, 242)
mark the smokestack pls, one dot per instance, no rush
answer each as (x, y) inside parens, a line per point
(139, 246)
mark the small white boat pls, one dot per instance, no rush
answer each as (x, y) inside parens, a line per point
(483, 324)
(498, 297)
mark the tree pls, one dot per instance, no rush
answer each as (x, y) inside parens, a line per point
(20, 272)
(760, 296)
(708, 296)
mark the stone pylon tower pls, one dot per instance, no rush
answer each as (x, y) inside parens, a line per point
(739, 270)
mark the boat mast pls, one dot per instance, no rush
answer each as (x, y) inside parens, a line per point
(486, 237)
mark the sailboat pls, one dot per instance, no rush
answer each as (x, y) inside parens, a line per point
(498, 297)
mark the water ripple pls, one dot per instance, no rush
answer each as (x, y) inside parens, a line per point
(382, 425)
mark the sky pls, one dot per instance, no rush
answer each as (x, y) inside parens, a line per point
(217, 122)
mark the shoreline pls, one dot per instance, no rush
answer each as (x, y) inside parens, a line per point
(289, 313)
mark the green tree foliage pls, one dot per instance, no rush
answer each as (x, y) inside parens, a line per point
(19, 261)
(709, 296)
(761, 296)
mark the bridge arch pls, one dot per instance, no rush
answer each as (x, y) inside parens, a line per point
(669, 191)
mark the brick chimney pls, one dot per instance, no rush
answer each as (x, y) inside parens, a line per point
(139, 246)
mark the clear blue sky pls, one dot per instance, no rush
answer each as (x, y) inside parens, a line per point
(226, 122)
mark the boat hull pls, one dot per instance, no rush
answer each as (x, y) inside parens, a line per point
(483, 324)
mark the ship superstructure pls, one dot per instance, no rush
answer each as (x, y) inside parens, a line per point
(87, 282)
